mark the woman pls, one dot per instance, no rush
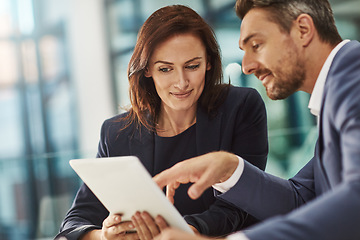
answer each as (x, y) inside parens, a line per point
(180, 109)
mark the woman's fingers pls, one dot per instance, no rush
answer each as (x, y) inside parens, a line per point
(146, 226)
(112, 220)
(113, 228)
(161, 223)
(150, 223)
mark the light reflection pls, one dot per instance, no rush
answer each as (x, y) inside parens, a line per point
(232, 73)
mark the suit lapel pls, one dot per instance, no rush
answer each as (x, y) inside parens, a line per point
(321, 144)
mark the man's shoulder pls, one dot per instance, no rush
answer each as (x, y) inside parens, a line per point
(347, 57)
(343, 81)
(344, 72)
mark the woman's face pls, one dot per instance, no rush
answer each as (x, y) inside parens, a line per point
(178, 66)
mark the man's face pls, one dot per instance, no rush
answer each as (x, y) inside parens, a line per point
(271, 54)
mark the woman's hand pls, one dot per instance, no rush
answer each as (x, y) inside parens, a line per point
(113, 228)
(147, 227)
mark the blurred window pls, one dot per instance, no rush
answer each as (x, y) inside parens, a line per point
(38, 120)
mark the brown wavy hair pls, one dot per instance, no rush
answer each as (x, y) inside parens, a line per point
(161, 25)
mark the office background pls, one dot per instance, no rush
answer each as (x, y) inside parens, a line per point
(63, 71)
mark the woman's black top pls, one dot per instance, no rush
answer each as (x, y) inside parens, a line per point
(168, 152)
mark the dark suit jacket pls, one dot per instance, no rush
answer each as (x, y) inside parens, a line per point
(239, 127)
(326, 192)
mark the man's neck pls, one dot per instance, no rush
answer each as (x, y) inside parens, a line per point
(316, 55)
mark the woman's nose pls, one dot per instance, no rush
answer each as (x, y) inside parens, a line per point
(182, 81)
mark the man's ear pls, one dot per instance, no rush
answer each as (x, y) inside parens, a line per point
(305, 28)
(147, 72)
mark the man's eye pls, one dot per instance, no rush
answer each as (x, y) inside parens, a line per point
(192, 67)
(256, 46)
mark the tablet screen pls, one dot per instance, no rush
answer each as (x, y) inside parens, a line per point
(123, 185)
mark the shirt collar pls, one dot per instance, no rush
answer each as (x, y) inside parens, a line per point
(316, 95)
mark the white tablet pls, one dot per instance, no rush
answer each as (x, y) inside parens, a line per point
(123, 185)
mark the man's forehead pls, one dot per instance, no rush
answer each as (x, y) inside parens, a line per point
(255, 17)
(250, 22)
(256, 23)
(250, 28)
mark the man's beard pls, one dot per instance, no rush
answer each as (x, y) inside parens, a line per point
(286, 84)
(288, 79)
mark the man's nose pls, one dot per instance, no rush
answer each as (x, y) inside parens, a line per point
(249, 65)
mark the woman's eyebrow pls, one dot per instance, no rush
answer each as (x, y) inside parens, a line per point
(170, 63)
(193, 59)
(163, 62)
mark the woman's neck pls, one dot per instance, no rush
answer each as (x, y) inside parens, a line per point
(172, 123)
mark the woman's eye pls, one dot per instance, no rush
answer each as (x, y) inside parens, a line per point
(164, 70)
(192, 67)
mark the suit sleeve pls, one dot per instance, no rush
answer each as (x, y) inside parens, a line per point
(87, 212)
(247, 118)
(264, 195)
(221, 219)
(334, 215)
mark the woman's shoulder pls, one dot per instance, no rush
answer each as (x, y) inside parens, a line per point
(244, 102)
(118, 129)
(242, 94)
(118, 121)
(117, 118)
(235, 90)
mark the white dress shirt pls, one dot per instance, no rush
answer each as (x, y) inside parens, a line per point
(225, 186)
(317, 93)
(314, 105)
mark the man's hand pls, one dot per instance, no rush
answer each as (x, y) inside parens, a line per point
(203, 171)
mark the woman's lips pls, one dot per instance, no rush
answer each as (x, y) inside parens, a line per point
(181, 94)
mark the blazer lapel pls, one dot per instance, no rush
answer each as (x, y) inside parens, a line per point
(141, 144)
(207, 132)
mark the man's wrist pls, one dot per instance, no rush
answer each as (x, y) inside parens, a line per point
(233, 179)
(237, 236)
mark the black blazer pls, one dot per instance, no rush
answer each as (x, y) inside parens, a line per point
(239, 126)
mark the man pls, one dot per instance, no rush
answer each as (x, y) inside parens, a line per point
(292, 45)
